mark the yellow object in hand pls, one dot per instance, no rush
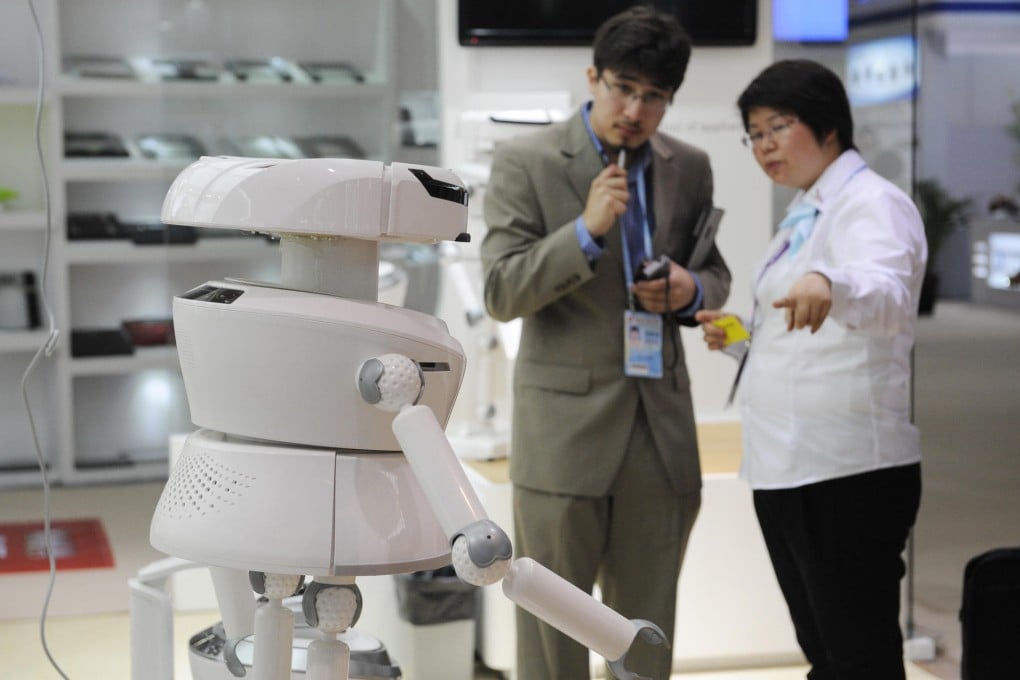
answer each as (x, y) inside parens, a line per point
(735, 331)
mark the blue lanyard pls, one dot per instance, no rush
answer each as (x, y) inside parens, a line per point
(628, 267)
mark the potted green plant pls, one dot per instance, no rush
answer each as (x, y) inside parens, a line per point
(942, 215)
(6, 196)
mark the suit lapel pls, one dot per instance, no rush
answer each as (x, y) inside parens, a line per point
(665, 175)
(582, 160)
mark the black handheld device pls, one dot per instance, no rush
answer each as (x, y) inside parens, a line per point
(657, 268)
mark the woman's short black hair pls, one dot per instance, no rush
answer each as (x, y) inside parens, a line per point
(647, 41)
(806, 89)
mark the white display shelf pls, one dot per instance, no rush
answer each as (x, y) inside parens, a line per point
(121, 170)
(21, 96)
(113, 474)
(92, 282)
(204, 250)
(116, 170)
(12, 479)
(12, 342)
(71, 87)
(143, 359)
(19, 220)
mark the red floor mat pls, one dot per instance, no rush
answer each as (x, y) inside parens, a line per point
(77, 544)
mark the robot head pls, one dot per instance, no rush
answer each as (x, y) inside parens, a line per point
(320, 196)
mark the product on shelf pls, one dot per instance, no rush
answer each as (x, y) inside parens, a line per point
(99, 67)
(149, 332)
(332, 71)
(329, 146)
(19, 304)
(206, 234)
(95, 342)
(157, 233)
(259, 70)
(263, 146)
(94, 145)
(94, 225)
(419, 119)
(227, 233)
(307, 146)
(186, 69)
(170, 146)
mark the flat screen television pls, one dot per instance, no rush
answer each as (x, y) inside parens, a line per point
(573, 22)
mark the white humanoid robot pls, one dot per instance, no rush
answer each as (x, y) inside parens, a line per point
(322, 451)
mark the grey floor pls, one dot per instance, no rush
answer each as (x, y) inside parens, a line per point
(967, 406)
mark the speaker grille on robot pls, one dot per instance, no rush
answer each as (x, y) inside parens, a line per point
(202, 486)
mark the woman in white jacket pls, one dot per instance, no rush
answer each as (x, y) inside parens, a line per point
(829, 449)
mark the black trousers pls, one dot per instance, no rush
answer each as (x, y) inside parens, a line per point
(836, 547)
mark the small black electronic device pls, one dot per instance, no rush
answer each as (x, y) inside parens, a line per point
(19, 305)
(95, 342)
(94, 145)
(94, 225)
(157, 233)
(657, 268)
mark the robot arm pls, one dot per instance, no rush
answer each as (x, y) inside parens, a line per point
(482, 552)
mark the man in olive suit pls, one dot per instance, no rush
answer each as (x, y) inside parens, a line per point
(604, 460)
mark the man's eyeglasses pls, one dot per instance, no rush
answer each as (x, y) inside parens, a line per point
(757, 140)
(623, 93)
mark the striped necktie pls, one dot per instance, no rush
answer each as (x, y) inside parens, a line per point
(634, 224)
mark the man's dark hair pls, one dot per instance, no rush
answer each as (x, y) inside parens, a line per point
(646, 42)
(805, 89)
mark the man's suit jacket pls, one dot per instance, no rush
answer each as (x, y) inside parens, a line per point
(573, 406)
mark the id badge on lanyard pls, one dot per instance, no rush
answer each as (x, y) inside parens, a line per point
(642, 344)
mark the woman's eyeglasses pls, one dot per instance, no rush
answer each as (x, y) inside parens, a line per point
(757, 140)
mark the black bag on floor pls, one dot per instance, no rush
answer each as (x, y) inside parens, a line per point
(990, 616)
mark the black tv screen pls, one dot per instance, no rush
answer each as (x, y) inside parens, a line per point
(573, 22)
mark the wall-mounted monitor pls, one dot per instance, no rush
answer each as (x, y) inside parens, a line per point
(573, 22)
(810, 21)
